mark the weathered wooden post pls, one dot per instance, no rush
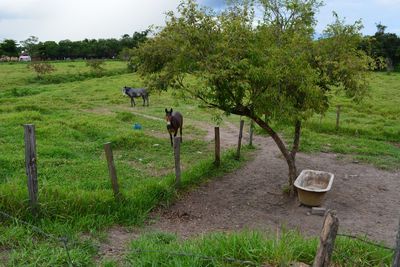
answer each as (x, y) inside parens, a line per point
(251, 132)
(112, 171)
(327, 240)
(217, 147)
(30, 166)
(240, 139)
(396, 257)
(177, 154)
(337, 117)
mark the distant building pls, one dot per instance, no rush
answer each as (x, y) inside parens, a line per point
(25, 58)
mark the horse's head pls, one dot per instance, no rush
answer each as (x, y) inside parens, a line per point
(168, 116)
(124, 89)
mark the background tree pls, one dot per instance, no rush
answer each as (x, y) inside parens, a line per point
(272, 68)
(383, 45)
(28, 45)
(47, 50)
(9, 48)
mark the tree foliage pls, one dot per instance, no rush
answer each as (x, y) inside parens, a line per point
(8, 48)
(87, 48)
(254, 67)
(384, 46)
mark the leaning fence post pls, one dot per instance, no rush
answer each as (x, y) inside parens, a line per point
(337, 117)
(240, 139)
(30, 166)
(396, 257)
(177, 152)
(111, 169)
(327, 240)
(251, 132)
(217, 147)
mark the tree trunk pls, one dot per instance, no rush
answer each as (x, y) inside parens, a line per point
(289, 156)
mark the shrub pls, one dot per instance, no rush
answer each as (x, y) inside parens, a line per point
(42, 68)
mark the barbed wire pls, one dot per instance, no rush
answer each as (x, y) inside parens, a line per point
(64, 240)
(366, 241)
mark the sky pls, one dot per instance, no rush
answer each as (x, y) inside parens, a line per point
(57, 20)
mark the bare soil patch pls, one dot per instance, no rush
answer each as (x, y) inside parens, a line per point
(365, 198)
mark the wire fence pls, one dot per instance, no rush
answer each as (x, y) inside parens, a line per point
(63, 240)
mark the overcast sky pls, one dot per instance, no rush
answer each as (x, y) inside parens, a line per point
(79, 19)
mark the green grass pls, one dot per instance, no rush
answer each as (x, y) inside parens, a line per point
(218, 249)
(73, 120)
(13, 75)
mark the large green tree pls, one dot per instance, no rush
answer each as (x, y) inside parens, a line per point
(9, 48)
(265, 66)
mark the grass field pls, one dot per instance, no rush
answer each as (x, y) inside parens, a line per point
(76, 112)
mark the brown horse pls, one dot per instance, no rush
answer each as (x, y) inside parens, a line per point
(174, 122)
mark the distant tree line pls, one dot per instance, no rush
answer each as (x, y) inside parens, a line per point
(383, 47)
(66, 49)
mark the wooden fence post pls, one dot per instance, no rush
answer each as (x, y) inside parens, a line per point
(111, 169)
(240, 139)
(30, 166)
(396, 257)
(217, 147)
(327, 240)
(251, 132)
(337, 117)
(177, 154)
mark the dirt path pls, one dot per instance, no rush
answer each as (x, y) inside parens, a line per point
(366, 199)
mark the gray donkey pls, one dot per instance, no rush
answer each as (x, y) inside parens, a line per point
(136, 92)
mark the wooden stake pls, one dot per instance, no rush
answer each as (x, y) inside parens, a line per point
(112, 171)
(177, 154)
(30, 166)
(240, 139)
(396, 257)
(337, 117)
(327, 240)
(251, 132)
(217, 147)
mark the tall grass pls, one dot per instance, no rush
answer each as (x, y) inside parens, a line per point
(257, 248)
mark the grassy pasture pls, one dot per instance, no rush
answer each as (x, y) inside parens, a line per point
(73, 120)
(76, 112)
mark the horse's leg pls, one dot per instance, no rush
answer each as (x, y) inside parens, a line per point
(132, 101)
(170, 137)
(144, 100)
(180, 130)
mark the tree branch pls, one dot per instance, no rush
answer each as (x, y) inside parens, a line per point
(296, 140)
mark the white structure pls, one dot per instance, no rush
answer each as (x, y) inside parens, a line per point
(25, 58)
